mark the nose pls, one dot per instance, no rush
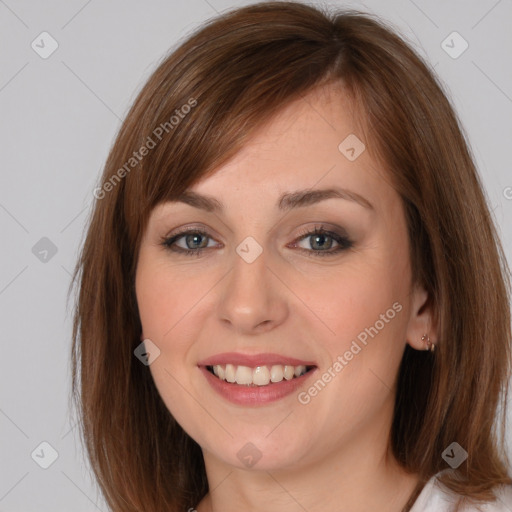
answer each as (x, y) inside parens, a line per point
(252, 299)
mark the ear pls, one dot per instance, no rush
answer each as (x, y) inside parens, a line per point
(421, 320)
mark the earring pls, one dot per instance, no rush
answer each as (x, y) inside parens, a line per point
(429, 345)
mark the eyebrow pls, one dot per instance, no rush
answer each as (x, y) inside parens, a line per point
(287, 201)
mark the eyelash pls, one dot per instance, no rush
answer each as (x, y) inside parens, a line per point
(343, 241)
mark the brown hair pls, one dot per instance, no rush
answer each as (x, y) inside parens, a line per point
(235, 73)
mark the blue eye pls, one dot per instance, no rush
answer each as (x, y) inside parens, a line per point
(196, 241)
(323, 239)
(193, 239)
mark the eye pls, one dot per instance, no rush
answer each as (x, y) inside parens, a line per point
(193, 241)
(321, 242)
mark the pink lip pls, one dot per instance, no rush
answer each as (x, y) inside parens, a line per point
(255, 395)
(252, 360)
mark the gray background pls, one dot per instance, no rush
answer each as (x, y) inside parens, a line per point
(59, 116)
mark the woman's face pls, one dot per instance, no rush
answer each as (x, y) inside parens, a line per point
(260, 296)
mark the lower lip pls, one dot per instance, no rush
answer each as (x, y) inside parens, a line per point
(255, 395)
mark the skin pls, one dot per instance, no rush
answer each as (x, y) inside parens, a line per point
(331, 453)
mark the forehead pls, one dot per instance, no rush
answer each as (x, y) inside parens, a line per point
(303, 147)
(314, 142)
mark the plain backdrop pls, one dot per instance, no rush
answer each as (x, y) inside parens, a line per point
(59, 116)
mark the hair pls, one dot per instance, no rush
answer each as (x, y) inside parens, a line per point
(234, 73)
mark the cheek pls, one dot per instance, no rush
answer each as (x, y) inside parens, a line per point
(353, 298)
(361, 319)
(165, 304)
(165, 298)
(364, 321)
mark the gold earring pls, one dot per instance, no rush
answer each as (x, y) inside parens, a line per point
(429, 345)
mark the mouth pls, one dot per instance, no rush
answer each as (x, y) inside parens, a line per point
(265, 375)
(252, 380)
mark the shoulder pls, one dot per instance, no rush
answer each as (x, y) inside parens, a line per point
(436, 498)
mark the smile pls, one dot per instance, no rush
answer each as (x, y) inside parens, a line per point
(258, 376)
(255, 379)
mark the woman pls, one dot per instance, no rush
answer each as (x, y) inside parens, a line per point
(292, 294)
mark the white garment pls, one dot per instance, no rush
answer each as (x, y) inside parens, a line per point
(434, 497)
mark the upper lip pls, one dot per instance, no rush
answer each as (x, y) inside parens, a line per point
(252, 360)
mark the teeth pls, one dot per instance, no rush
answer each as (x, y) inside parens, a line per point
(243, 375)
(289, 372)
(229, 373)
(220, 372)
(299, 370)
(259, 376)
(276, 373)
